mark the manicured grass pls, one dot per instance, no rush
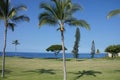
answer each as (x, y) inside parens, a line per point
(51, 69)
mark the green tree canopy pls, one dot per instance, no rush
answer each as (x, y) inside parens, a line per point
(55, 48)
(113, 49)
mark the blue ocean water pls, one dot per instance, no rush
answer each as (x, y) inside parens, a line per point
(51, 55)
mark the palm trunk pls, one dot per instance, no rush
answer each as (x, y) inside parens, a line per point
(64, 61)
(3, 54)
(15, 49)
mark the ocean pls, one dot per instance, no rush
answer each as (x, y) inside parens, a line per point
(50, 55)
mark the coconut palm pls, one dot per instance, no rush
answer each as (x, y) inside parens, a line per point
(60, 12)
(113, 13)
(15, 42)
(10, 16)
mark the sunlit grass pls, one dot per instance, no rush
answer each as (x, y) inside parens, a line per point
(51, 69)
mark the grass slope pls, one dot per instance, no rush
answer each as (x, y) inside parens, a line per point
(51, 69)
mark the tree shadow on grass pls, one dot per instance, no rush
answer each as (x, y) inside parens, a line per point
(67, 59)
(26, 57)
(6, 71)
(117, 70)
(80, 60)
(42, 71)
(88, 73)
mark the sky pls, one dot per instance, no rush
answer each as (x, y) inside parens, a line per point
(34, 39)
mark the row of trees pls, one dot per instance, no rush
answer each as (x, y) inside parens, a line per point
(56, 12)
(76, 45)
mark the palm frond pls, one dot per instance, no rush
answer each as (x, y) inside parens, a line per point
(11, 26)
(44, 14)
(7, 7)
(1, 15)
(49, 8)
(47, 20)
(76, 7)
(72, 9)
(113, 13)
(58, 8)
(21, 7)
(16, 42)
(56, 3)
(81, 23)
(20, 18)
(3, 7)
(12, 13)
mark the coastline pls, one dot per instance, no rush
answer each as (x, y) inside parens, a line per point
(50, 55)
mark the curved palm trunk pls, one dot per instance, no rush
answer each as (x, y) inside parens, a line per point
(3, 54)
(64, 61)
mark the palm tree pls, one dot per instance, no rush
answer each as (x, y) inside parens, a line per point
(10, 16)
(60, 12)
(15, 42)
(113, 13)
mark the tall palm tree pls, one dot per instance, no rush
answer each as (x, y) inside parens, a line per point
(113, 13)
(15, 42)
(10, 16)
(60, 12)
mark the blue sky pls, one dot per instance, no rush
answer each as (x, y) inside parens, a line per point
(34, 39)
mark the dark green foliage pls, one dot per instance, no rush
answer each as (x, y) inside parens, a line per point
(55, 48)
(93, 49)
(113, 49)
(16, 42)
(76, 44)
(98, 51)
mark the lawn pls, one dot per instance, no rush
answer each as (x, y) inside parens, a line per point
(51, 69)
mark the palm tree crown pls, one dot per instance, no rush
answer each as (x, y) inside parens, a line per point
(61, 12)
(15, 42)
(10, 14)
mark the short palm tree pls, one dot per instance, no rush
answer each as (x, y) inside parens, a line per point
(60, 12)
(113, 13)
(10, 16)
(15, 42)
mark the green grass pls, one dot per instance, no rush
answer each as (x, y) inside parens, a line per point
(51, 69)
